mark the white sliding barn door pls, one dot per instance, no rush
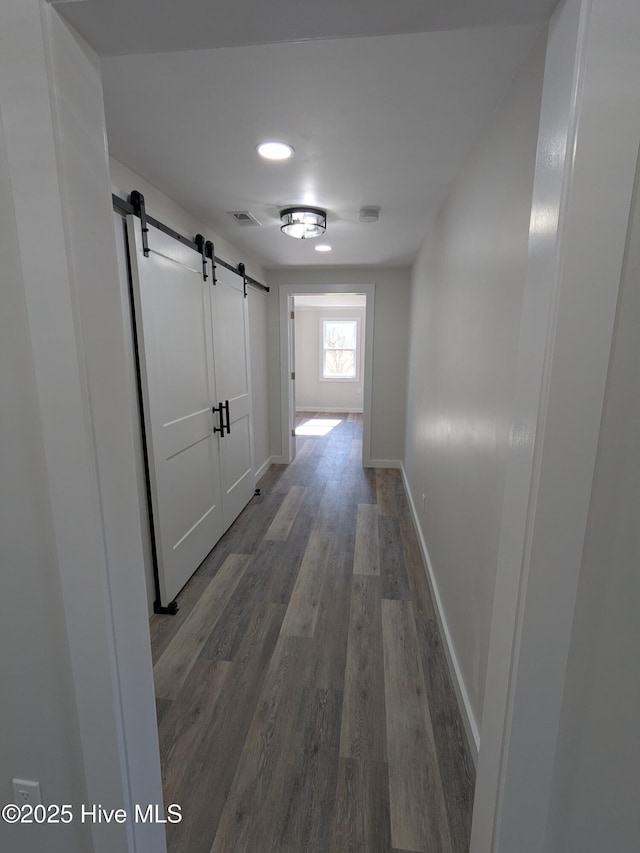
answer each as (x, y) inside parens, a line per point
(231, 356)
(173, 319)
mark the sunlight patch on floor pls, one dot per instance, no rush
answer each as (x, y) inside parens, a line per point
(317, 426)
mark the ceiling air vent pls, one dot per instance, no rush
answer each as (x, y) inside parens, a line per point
(243, 217)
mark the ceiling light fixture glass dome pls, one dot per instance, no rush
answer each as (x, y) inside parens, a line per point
(303, 222)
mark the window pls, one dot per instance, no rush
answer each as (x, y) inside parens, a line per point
(340, 348)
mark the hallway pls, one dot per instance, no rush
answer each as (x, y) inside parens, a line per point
(303, 696)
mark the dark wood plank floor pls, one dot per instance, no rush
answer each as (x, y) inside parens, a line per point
(304, 702)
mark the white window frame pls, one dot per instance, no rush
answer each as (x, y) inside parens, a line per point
(340, 319)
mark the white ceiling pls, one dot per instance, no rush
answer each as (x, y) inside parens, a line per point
(152, 26)
(387, 119)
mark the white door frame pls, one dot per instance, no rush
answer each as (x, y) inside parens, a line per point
(291, 373)
(287, 290)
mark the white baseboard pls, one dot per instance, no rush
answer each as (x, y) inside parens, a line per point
(346, 409)
(279, 460)
(466, 712)
(382, 463)
(263, 468)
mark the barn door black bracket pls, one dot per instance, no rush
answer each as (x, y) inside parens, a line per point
(210, 253)
(241, 269)
(200, 243)
(137, 200)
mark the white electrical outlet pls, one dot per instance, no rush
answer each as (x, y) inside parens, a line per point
(26, 792)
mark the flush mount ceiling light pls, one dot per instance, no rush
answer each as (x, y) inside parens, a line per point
(303, 222)
(322, 247)
(274, 150)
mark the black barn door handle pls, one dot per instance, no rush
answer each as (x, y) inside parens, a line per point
(220, 429)
(226, 406)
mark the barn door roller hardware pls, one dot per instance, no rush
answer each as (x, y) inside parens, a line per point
(244, 278)
(137, 200)
(200, 243)
(136, 206)
(209, 252)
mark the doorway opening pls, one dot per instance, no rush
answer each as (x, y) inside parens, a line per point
(326, 355)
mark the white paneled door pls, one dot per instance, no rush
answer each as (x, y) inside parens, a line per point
(231, 357)
(175, 348)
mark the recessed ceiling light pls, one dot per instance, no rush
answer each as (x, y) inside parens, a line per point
(323, 247)
(274, 150)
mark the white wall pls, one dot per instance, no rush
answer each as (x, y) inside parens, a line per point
(313, 393)
(167, 211)
(466, 294)
(594, 803)
(389, 348)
